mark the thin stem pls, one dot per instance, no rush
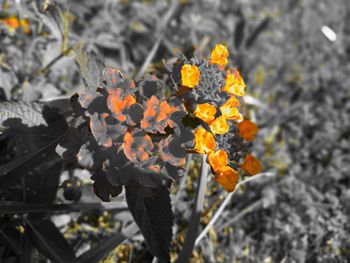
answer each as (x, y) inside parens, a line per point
(192, 230)
(224, 204)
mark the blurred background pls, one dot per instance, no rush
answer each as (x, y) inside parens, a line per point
(294, 57)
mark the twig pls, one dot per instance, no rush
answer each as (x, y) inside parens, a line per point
(192, 230)
(242, 213)
(224, 204)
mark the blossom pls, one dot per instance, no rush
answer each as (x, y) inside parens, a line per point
(247, 130)
(137, 146)
(219, 125)
(204, 141)
(206, 112)
(227, 177)
(218, 159)
(219, 55)
(229, 109)
(190, 75)
(119, 103)
(251, 165)
(13, 23)
(157, 115)
(234, 83)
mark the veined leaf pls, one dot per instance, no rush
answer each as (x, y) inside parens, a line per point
(151, 209)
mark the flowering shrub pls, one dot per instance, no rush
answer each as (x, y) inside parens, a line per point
(138, 137)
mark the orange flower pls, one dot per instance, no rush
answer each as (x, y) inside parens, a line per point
(118, 103)
(251, 165)
(190, 75)
(234, 83)
(13, 23)
(219, 126)
(137, 146)
(204, 141)
(218, 159)
(227, 177)
(206, 112)
(247, 130)
(219, 55)
(229, 110)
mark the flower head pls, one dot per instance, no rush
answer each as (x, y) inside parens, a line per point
(251, 165)
(219, 125)
(206, 112)
(190, 75)
(204, 141)
(227, 177)
(247, 130)
(218, 159)
(234, 83)
(219, 55)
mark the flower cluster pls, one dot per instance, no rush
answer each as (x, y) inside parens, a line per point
(12, 23)
(214, 96)
(136, 133)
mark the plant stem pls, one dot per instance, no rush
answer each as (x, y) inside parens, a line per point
(192, 230)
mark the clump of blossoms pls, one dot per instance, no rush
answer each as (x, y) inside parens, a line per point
(135, 133)
(213, 94)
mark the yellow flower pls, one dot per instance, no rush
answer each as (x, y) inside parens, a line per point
(229, 110)
(219, 125)
(227, 177)
(247, 130)
(218, 159)
(204, 141)
(219, 55)
(234, 83)
(251, 165)
(190, 75)
(206, 112)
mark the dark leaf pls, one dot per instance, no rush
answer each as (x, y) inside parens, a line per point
(239, 32)
(103, 188)
(256, 32)
(151, 209)
(49, 240)
(11, 172)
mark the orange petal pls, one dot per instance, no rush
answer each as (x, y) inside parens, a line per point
(190, 75)
(219, 126)
(247, 130)
(204, 141)
(234, 83)
(251, 165)
(219, 55)
(227, 177)
(206, 112)
(218, 159)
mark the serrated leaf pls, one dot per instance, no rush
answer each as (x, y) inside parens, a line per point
(151, 209)
(29, 113)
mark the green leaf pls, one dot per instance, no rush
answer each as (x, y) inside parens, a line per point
(151, 209)
(49, 240)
